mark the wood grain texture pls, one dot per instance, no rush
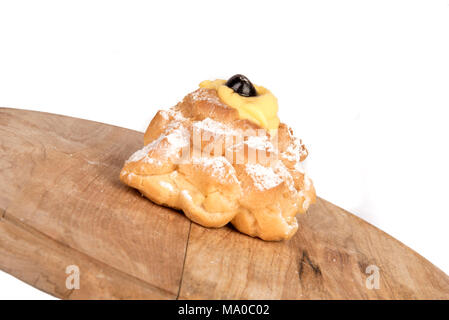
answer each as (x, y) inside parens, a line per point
(34, 258)
(61, 203)
(326, 259)
(59, 176)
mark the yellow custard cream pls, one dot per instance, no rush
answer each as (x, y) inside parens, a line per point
(261, 109)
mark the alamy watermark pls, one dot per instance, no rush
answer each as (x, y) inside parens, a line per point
(73, 279)
(239, 147)
(373, 280)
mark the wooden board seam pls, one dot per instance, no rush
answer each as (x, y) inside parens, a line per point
(184, 262)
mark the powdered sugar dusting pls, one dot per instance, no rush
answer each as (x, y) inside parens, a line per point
(175, 115)
(294, 151)
(203, 95)
(260, 143)
(175, 138)
(214, 127)
(285, 175)
(140, 154)
(178, 138)
(264, 178)
(220, 167)
(299, 166)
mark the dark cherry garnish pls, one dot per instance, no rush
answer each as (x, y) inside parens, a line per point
(241, 85)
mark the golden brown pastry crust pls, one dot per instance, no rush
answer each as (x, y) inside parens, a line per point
(259, 196)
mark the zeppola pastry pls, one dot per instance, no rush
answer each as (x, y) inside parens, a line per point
(222, 155)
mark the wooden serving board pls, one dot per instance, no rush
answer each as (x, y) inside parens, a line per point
(61, 204)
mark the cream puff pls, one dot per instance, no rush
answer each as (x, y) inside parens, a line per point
(221, 155)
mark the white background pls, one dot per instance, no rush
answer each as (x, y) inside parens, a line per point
(364, 83)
